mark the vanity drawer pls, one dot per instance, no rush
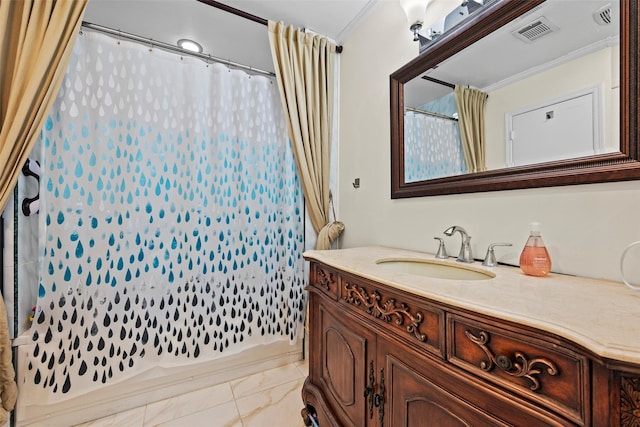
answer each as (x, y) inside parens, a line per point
(324, 279)
(543, 371)
(414, 320)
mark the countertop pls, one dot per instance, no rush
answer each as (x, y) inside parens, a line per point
(602, 316)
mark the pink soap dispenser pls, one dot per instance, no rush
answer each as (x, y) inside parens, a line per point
(534, 259)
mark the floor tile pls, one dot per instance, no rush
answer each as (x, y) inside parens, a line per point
(303, 367)
(270, 398)
(131, 418)
(225, 415)
(186, 404)
(264, 380)
(279, 406)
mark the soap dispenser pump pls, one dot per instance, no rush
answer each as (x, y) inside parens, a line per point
(534, 259)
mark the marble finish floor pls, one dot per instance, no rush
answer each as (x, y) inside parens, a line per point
(269, 398)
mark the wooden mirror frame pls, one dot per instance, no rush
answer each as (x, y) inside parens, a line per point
(619, 166)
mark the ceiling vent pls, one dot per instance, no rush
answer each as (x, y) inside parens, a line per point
(603, 16)
(534, 30)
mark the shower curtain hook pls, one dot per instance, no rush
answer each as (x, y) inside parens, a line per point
(207, 60)
(150, 45)
(119, 36)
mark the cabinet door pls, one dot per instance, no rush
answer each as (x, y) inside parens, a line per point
(414, 399)
(419, 391)
(346, 365)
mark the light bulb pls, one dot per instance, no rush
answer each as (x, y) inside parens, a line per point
(190, 45)
(415, 11)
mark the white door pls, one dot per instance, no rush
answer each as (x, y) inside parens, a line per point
(560, 130)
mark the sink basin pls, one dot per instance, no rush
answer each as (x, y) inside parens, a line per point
(436, 269)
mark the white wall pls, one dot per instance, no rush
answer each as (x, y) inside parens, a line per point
(585, 227)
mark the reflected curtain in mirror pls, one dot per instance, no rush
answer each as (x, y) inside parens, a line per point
(432, 147)
(471, 103)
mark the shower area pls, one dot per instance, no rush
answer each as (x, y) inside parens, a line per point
(166, 253)
(432, 146)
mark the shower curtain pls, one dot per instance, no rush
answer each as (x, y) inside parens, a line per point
(171, 219)
(431, 147)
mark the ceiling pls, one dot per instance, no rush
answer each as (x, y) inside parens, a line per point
(501, 57)
(223, 34)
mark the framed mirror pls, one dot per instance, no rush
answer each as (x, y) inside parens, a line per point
(539, 70)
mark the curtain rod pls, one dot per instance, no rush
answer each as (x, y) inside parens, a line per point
(429, 113)
(440, 82)
(243, 14)
(172, 48)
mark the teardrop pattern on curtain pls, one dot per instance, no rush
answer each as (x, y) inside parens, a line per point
(431, 148)
(171, 225)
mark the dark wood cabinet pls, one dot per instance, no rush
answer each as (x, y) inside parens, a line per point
(380, 356)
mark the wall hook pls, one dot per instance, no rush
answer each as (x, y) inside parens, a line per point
(31, 205)
(356, 183)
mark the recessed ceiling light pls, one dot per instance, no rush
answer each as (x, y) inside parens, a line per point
(190, 45)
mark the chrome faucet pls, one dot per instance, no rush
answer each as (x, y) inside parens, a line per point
(490, 257)
(465, 250)
(442, 250)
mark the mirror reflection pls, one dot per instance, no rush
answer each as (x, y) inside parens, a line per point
(543, 88)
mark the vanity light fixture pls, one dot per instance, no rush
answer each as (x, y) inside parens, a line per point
(190, 45)
(415, 11)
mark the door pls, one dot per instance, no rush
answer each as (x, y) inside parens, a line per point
(557, 130)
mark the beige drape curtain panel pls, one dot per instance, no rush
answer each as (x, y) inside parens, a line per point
(471, 104)
(304, 70)
(37, 38)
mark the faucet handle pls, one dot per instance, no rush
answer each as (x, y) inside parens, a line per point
(490, 257)
(442, 251)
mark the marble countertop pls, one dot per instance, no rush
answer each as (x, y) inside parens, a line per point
(602, 316)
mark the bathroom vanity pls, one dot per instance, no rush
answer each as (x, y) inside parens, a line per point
(403, 346)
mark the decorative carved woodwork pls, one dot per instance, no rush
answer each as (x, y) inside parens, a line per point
(522, 367)
(326, 279)
(387, 311)
(630, 402)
